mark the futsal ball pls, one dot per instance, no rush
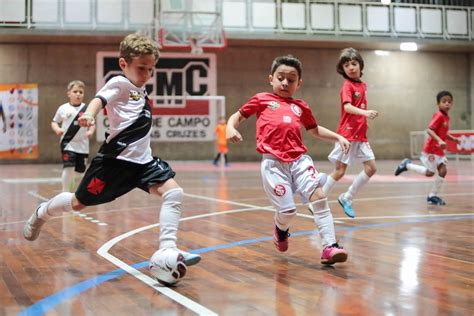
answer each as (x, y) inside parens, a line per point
(167, 266)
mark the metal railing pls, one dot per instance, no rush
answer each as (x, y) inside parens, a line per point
(308, 17)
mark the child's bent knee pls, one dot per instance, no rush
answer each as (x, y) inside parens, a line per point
(318, 194)
(174, 195)
(320, 205)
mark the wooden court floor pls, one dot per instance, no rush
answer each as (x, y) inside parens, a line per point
(405, 257)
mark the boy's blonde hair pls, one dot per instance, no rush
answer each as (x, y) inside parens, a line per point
(78, 83)
(136, 45)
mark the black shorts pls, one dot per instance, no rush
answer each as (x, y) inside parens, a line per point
(76, 160)
(107, 179)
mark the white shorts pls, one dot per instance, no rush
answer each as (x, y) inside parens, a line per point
(358, 152)
(432, 161)
(282, 179)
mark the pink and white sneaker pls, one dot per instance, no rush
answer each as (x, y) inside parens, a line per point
(332, 254)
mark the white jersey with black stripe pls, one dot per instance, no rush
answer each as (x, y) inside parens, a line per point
(65, 116)
(124, 102)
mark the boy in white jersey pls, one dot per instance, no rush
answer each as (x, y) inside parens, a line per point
(124, 161)
(285, 168)
(74, 139)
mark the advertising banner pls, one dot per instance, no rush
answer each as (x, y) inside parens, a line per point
(178, 88)
(18, 121)
(467, 142)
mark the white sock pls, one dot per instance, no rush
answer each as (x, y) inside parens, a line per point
(324, 221)
(68, 179)
(170, 214)
(417, 168)
(56, 206)
(283, 219)
(361, 179)
(436, 185)
(327, 187)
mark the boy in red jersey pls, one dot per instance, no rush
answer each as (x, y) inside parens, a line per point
(432, 156)
(353, 126)
(285, 168)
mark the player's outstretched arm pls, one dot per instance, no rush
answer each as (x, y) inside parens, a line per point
(88, 118)
(323, 133)
(454, 139)
(371, 114)
(232, 134)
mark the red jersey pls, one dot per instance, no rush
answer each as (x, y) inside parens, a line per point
(440, 125)
(279, 123)
(353, 127)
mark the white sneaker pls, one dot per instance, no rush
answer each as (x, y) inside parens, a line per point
(32, 227)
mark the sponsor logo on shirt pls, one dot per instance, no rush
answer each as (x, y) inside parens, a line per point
(296, 109)
(357, 95)
(134, 95)
(287, 119)
(273, 105)
(279, 190)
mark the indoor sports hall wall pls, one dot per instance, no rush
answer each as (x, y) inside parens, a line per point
(402, 86)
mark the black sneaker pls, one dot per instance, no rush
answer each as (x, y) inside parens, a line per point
(402, 167)
(435, 200)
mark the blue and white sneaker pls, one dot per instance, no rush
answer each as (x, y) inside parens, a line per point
(435, 200)
(346, 205)
(190, 259)
(402, 167)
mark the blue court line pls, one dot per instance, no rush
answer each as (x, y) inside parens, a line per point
(48, 303)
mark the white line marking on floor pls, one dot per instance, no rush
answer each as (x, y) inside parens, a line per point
(175, 296)
(186, 302)
(31, 180)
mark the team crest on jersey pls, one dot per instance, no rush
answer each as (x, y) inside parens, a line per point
(96, 186)
(273, 105)
(296, 109)
(279, 190)
(357, 95)
(134, 95)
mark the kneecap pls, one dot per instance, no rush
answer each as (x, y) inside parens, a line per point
(173, 196)
(320, 205)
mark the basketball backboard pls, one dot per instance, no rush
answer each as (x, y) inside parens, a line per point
(191, 24)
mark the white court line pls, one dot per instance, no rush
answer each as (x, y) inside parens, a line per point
(36, 195)
(31, 180)
(175, 296)
(186, 302)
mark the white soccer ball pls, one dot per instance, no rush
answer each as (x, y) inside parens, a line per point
(167, 266)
